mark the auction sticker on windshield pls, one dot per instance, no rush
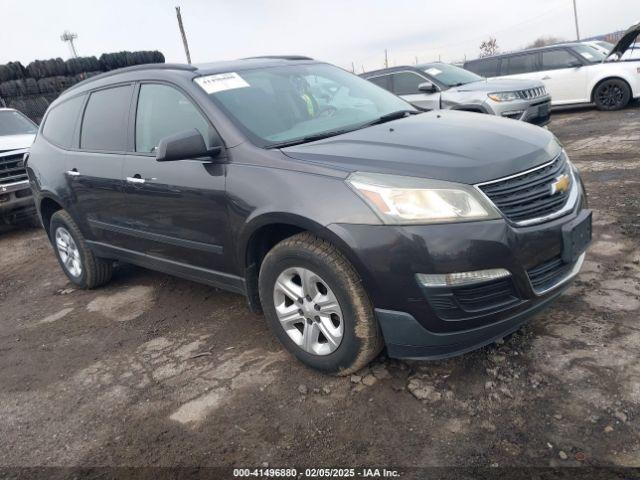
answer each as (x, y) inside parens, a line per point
(433, 71)
(221, 82)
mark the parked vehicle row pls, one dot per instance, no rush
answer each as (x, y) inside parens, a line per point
(573, 73)
(352, 219)
(435, 86)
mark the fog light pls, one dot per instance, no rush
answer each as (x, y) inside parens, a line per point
(462, 278)
(516, 114)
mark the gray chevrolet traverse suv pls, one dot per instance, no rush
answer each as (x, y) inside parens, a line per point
(435, 86)
(351, 219)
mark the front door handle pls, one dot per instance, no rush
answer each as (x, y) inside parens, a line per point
(73, 172)
(136, 179)
(546, 78)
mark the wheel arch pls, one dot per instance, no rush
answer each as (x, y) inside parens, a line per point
(48, 205)
(264, 232)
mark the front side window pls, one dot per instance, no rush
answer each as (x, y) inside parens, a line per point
(556, 59)
(407, 83)
(15, 123)
(60, 124)
(450, 75)
(520, 64)
(164, 111)
(106, 118)
(285, 104)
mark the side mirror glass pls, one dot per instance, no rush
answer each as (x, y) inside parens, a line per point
(427, 87)
(185, 145)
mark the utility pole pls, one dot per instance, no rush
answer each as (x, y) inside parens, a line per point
(575, 15)
(386, 59)
(67, 36)
(184, 35)
(353, 68)
(416, 59)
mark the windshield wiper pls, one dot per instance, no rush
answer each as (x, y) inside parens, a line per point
(393, 116)
(310, 138)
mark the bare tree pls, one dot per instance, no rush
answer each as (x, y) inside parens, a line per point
(489, 47)
(544, 41)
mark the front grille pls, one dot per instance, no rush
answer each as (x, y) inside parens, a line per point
(529, 195)
(548, 274)
(531, 93)
(12, 169)
(462, 303)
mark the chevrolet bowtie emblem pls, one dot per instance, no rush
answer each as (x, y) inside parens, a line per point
(561, 184)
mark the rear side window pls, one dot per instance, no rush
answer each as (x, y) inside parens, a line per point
(61, 122)
(520, 64)
(384, 81)
(104, 126)
(555, 59)
(164, 111)
(406, 83)
(487, 67)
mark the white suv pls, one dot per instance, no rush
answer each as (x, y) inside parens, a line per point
(573, 73)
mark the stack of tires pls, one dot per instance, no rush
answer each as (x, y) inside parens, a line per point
(32, 88)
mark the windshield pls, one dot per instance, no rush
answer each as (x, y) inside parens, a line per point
(279, 105)
(589, 53)
(450, 75)
(15, 123)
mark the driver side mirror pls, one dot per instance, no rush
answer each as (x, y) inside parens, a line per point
(427, 87)
(185, 145)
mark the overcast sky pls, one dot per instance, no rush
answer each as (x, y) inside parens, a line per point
(338, 31)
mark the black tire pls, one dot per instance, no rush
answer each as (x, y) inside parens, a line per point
(612, 94)
(95, 271)
(361, 340)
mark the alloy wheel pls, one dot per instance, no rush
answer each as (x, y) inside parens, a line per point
(308, 311)
(610, 94)
(68, 251)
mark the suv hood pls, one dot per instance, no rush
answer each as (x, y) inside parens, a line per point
(626, 41)
(447, 145)
(497, 85)
(16, 142)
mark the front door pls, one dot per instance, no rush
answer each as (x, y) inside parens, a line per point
(94, 170)
(176, 211)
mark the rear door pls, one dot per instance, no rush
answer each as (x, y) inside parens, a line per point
(94, 169)
(176, 211)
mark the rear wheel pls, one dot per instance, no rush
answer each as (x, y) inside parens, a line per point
(315, 304)
(612, 94)
(76, 259)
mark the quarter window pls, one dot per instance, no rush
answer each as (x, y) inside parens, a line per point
(520, 64)
(105, 122)
(555, 59)
(406, 83)
(61, 120)
(164, 111)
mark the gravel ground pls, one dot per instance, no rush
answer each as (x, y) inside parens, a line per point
(154, 370)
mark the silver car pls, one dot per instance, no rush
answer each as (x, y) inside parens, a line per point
(434, 86)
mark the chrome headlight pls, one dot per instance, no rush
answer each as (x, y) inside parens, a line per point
(408, 200)
(503, 96)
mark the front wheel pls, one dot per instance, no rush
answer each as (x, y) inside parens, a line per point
(612, 94)
(315, 303)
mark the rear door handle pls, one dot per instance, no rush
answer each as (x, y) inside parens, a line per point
(73, 172)
(136, 179)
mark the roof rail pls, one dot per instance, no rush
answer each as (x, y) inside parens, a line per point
(279, 57)
(135, 68)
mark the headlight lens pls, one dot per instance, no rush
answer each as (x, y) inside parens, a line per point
(408, 200)
(503, 96)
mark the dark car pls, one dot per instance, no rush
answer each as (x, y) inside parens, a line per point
(350, 218)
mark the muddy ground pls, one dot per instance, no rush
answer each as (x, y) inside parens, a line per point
(154, 370)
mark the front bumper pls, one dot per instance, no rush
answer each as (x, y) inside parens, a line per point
(417, 323)
(536, 111)
(16, 202)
